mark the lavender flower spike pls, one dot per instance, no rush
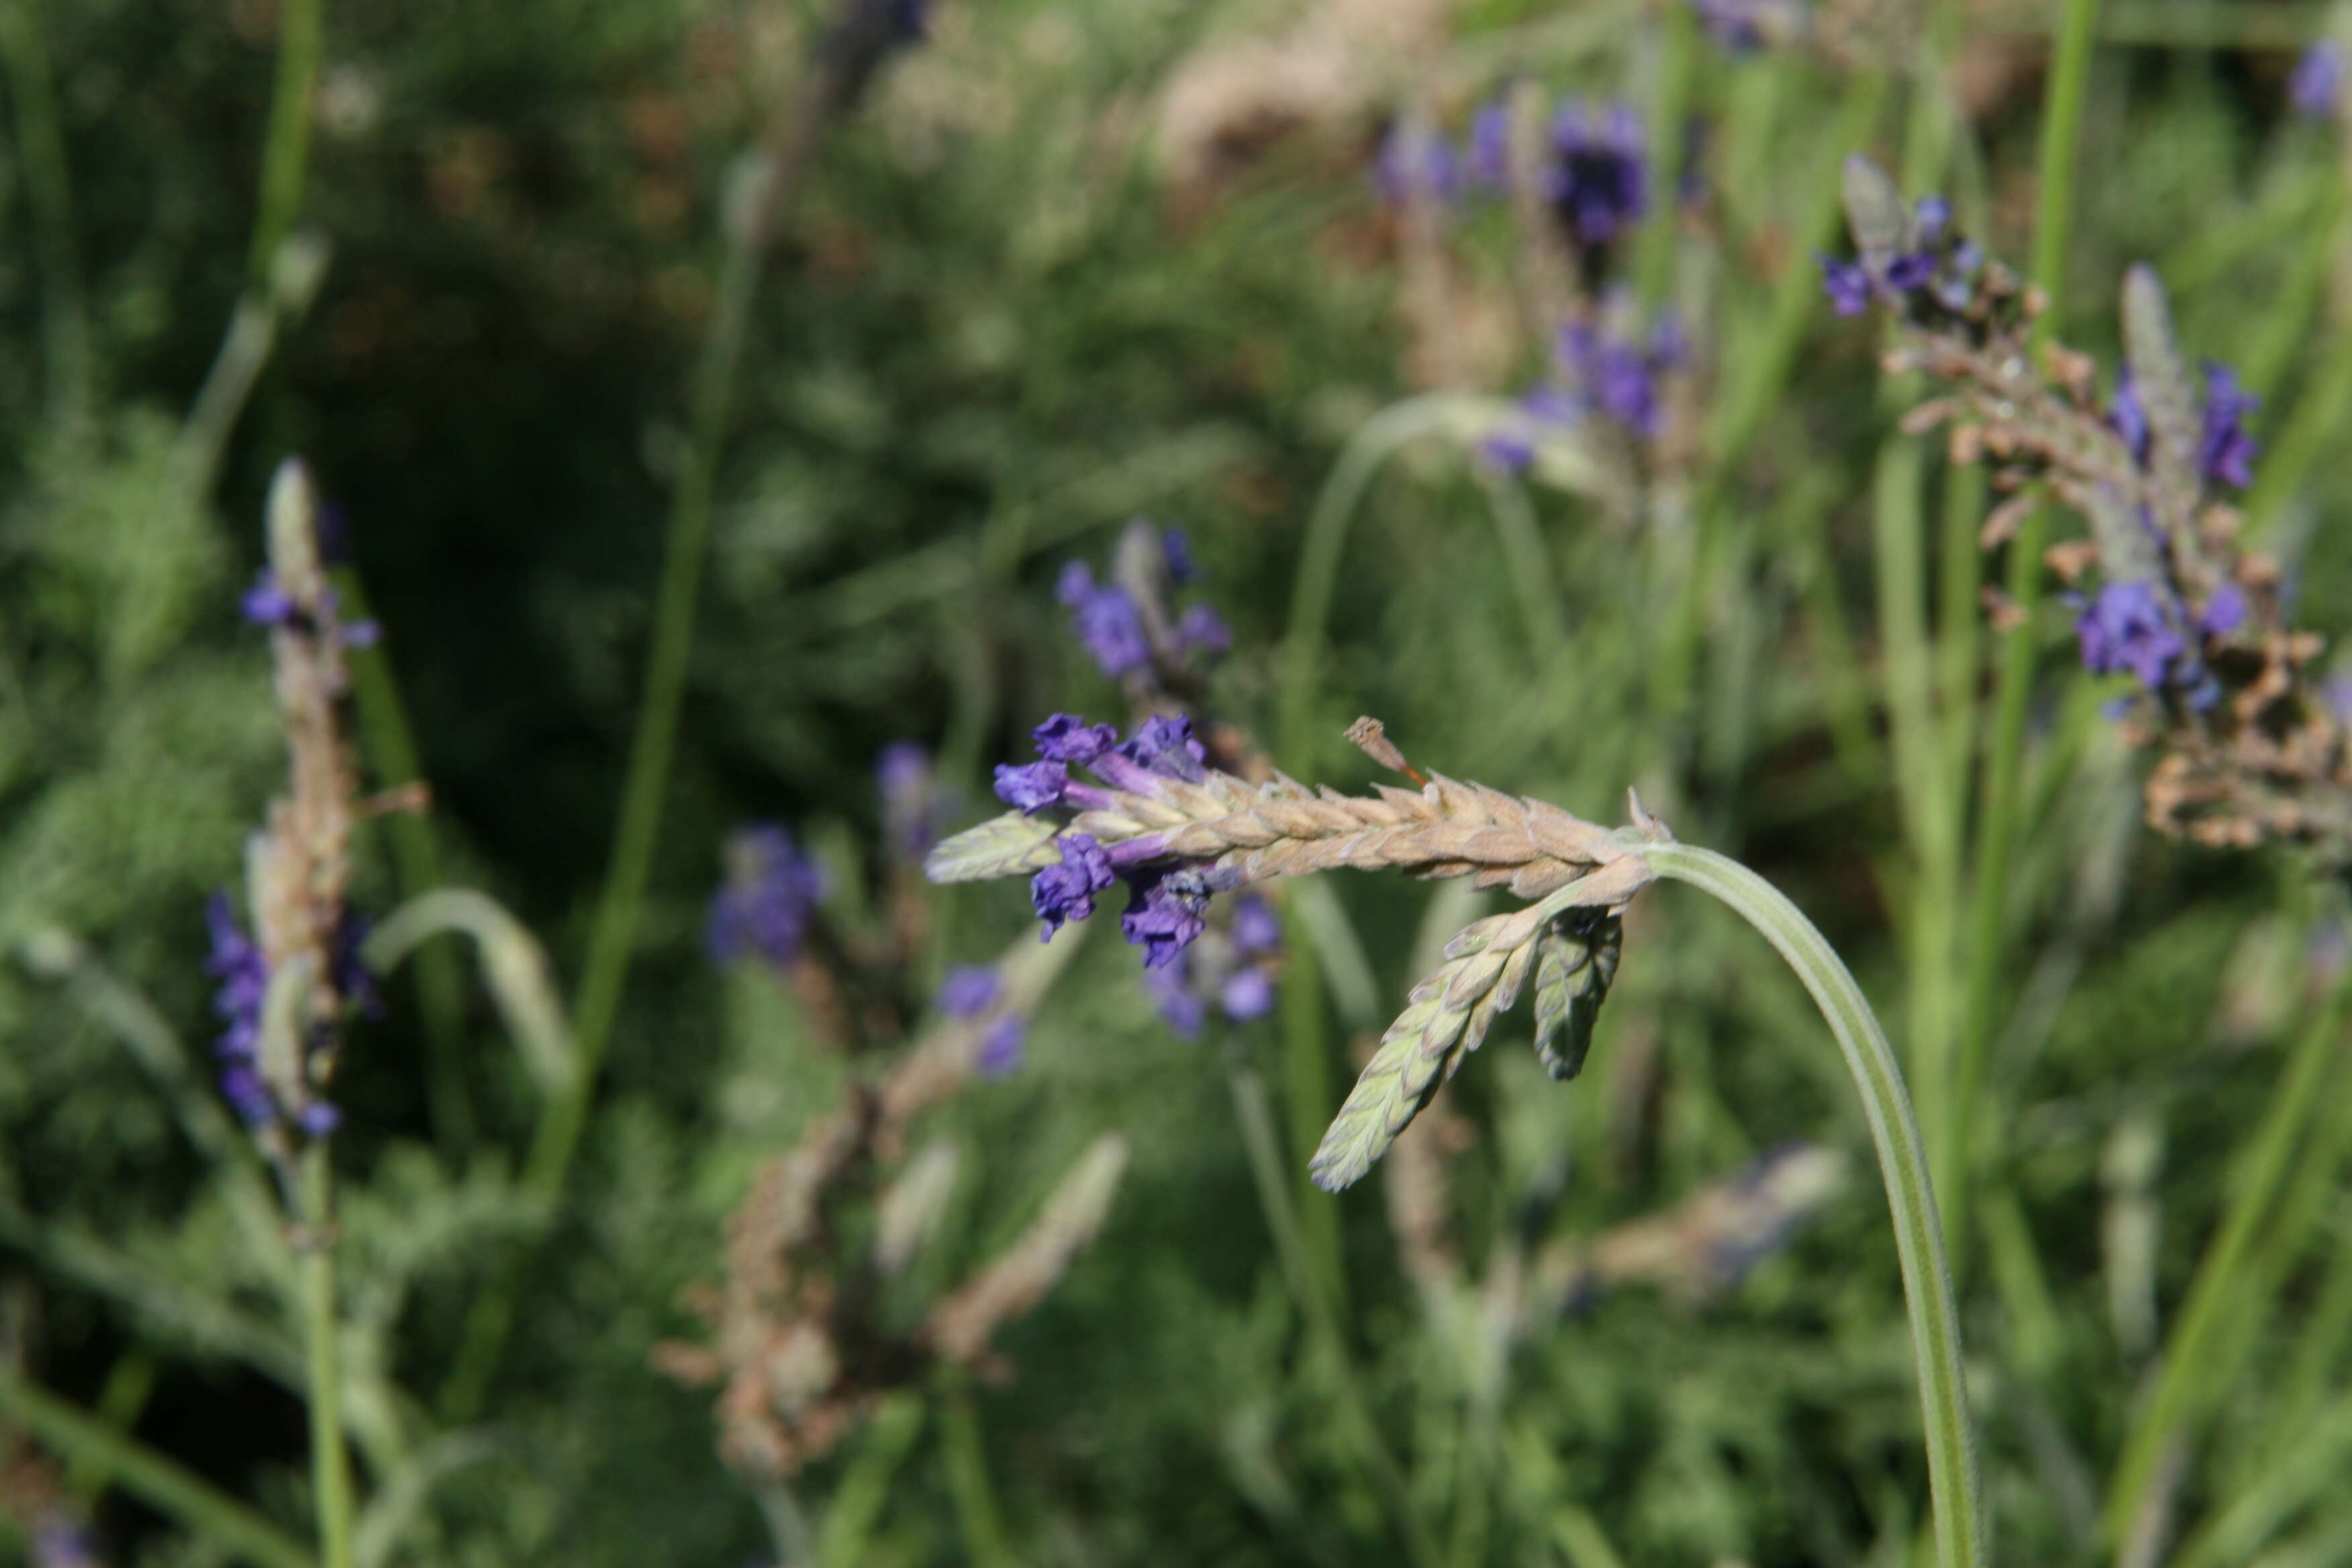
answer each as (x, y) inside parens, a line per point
(2124, 627)
(1106, 620)
(2316, 85)
(1599, 182)
(769, 896)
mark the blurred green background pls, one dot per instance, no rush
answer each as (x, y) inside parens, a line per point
(1060, 265)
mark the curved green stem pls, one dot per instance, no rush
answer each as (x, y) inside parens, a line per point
(1959, 1527)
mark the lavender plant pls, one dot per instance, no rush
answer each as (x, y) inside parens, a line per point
(2224, 688)
(1178, 833)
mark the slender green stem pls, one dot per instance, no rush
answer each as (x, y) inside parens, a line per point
(1320, 550)
(2317, 423)
(128, 1383)
(390, 747)
(1306, 1067)
(1306, 1079)
(1282, 1219)
(857, 1502)
(1922, 787)
(612, 936)
(1670, 90)
(48, 187)
(174, 1492)
(788, 1529)
(1752, 393)
(2004, 763)
(967, 1461)
(288, 150)
(1959, 1527)
(330, 1471)
(281, 276)
(2188, 1384)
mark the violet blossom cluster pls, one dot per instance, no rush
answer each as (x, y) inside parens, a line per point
(1593, 174)
(769, 896)
(1230, 971)
(1930, 276)
(2316, 86)
(268, 604)
(1605, 371)
(1127, 624)
(1165, 904)
(976, 993)
(1743, 26)
(238, 962)
(2225, 689)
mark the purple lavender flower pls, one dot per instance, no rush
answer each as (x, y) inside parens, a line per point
(1255, 928)
(1065, 738)
(1030, 786)
(1246, 993)
(1163, 917)
(772, 891)
(1487, 151)
(967, 990)
(1106, 621)
(243, 970)
(1618, 377)
(1936, 265)
(1236, 977)
(268, 604)
(2126, 627)
(237, 961)
(248, 1096)
(1176, 551)
(61, 1542)
(1731, 23)
(2225, 612)
(1414, 163)
(1000, 1050)
(1202, 630)
(1181, 1007)
(1598, 183)
(1847, 283)
(2318, 82)
(1164, 744)
(2225, 453)
(1065, 892)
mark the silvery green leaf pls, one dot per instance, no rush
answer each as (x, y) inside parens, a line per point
(1009, 845)
(1874, 212)
(514, 967)
(2160, 381)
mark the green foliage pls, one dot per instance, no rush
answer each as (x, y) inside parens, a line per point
(998, 323)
